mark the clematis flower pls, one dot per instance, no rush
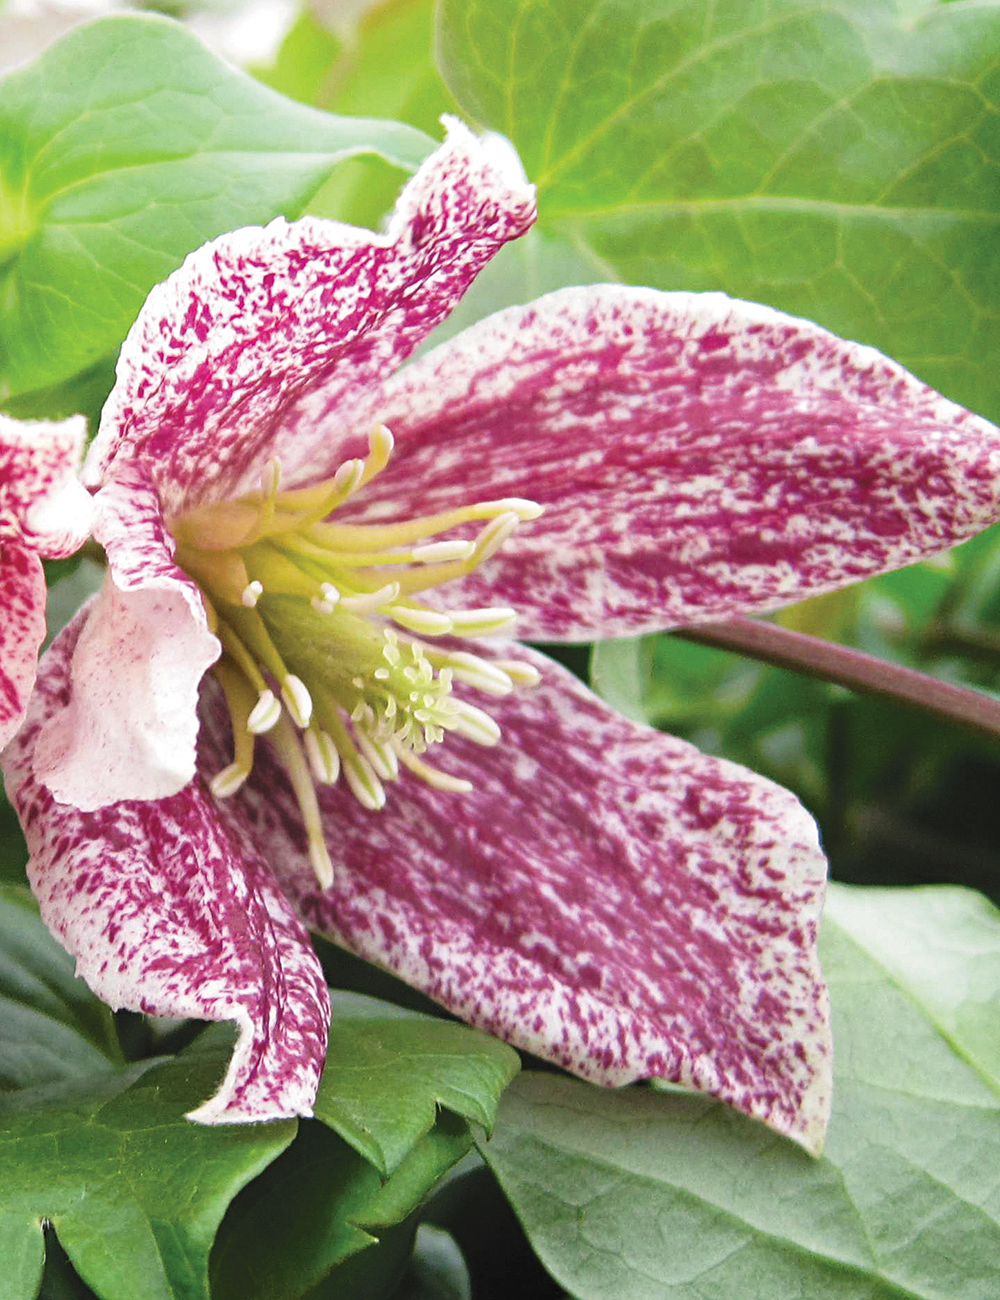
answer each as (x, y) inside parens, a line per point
(295, 701)
(44, 511)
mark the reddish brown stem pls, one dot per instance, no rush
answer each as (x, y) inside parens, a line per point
(864, 673)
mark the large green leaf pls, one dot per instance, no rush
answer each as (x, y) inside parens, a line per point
(837, 158)
(51, 1025)
(126, 145)
(133, 1190)
(388, 1070)
(656, 1195)
(321, 1214)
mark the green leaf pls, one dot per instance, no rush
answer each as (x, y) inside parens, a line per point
(838, 159)
(941, 946)
(388, 1070)
(51, 1025)
(133, 1190)
(389, 72)
(666, 1194)
(124, 147)
(320, 1214)
(437, 1270)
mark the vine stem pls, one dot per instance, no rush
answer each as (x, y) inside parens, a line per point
(860, 672)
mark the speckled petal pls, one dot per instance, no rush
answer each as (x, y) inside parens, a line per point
(608, 898)
(22, 630)
(248, 349)
(169, 909)
(697, 457)
(42, 503)
(129, 729)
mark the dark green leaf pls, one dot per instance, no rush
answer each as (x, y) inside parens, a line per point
(388, 1070)
(298, 1229)
(51, 1025)
(437, 1269)
(125, 146)
(667, 1194)
(839, 159)
(134, 1191)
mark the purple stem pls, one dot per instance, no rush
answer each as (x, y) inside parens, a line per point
(864, 673)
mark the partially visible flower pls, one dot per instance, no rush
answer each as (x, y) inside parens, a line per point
(605, 461)
(44, 511)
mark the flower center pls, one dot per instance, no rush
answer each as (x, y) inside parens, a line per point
(326, 646)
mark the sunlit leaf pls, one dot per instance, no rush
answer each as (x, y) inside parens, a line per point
(669, 1196)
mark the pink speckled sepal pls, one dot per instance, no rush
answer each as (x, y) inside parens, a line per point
(607, 897)
(697, 457)
(169, 909)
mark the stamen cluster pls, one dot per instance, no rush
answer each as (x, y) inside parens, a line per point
(326, 648)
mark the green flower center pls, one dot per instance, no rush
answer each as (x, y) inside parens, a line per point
(327, 648)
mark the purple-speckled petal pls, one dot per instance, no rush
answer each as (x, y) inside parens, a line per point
(22, 631)
(130, 727)
(42, 504)
(169, 909)
(44, 510)
(247, 350)
(697, 457)
(608, 898)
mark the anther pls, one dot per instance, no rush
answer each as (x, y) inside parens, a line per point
(493, 536)
(520, 673)
(380, 445)
(475, 724)
(297, 700)
(348, 476)
(229, 780)
(371, 600)
(322, 755)
(382, 758)
(483, 674)
(440, 552)
(483, 622)
(252, 592)
(264, 714)
(433, 777)
(364, 784)
(428, 622)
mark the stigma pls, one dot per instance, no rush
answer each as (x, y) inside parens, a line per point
(330, 655)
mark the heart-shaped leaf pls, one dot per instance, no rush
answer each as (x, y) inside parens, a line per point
(839, 159)
(670, 1196)
(124, 147)
(388, 1070)
(133, 1190)
(51, 1025)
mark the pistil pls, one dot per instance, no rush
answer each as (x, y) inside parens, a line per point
(325, 616)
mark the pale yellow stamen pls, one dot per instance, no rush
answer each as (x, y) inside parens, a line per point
(297, 700)
(322, 755)
(477, 725)
(520, 673)
(264, 714)
(305, 608)
(371, 600)
(483, 622)
(289, 753)
(439, 780)
(428, 622)
(241, 702)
